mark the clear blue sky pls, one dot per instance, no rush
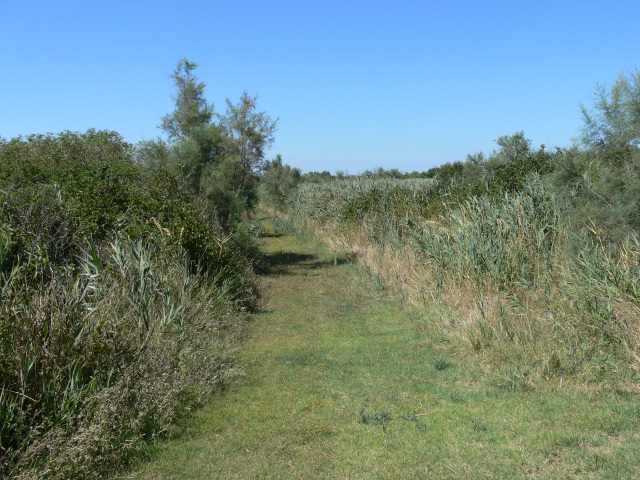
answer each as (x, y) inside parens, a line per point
(356, 84)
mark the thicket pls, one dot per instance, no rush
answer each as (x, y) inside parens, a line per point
(120, 294)
(220, 156)
(539, 251)
(277, 182)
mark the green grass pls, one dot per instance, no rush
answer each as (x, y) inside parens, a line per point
(343, 381)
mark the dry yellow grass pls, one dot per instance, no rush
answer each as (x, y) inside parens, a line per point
(499, 327)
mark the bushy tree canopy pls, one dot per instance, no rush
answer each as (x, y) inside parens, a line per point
(192, 110)
(612, 126)
(600, 176)
(251, 132)
(219, 156)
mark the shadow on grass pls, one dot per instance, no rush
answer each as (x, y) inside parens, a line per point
(284, 263)
(271, 235)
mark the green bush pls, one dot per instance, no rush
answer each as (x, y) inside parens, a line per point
(55, 201)
(118, 292)
(277, 183)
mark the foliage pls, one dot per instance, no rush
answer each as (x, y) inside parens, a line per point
(113, 283)
(192, 110)
(230, 190)
(278, 182)
(513, 147)
(317, 177)
(500, 240)
(600, 179)
(376, 417)
(218, 156)
(612, 129)
(250, 133)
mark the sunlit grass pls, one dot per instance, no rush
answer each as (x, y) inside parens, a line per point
(345, 382)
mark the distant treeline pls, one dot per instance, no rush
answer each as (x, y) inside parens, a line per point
(511, 147)
(597, 178)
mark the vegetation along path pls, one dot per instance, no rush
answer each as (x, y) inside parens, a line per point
(343, 381)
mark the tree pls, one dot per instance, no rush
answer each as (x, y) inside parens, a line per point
(153, 155)
(513, 146)
(192, 110)
(477, 158)
(229, 190)
(601, 176)
(278, 181)
(612, 128)
(250, 133)
(219, 156)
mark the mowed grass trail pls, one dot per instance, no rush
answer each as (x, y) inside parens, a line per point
(344, 382)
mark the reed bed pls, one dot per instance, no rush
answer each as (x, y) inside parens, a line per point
(103, 359)
(522, 291)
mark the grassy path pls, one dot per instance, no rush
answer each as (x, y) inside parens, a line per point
(343, 383)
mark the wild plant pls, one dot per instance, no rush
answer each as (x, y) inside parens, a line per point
(132, 333)
(119, 300)
(506, 242)
(605, 286)
(527, 294)
(441, 362)
(376, 417)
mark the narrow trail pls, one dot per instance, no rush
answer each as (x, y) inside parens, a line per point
(343, 383)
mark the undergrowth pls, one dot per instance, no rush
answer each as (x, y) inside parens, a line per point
(121, 298)
(527, 290)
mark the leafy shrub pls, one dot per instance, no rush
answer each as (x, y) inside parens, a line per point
(54, 201)
(377, 417)
(118, 293)
(277, 183)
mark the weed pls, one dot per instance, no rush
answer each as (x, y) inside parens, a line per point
(377, 417)
(413, 417)
(478, 426)
(441, 362)
(511, 379)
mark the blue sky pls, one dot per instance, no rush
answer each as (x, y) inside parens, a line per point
(355, 84)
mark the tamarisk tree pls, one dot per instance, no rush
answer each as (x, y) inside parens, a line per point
(219, 156)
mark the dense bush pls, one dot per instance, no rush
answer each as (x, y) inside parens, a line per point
(219, 156)
(599, 177)
(55, 201)
(119, 294)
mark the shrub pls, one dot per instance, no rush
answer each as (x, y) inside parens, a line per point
(119, 291)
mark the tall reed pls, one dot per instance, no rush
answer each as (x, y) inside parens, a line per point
(525, 289)
(101, 360)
